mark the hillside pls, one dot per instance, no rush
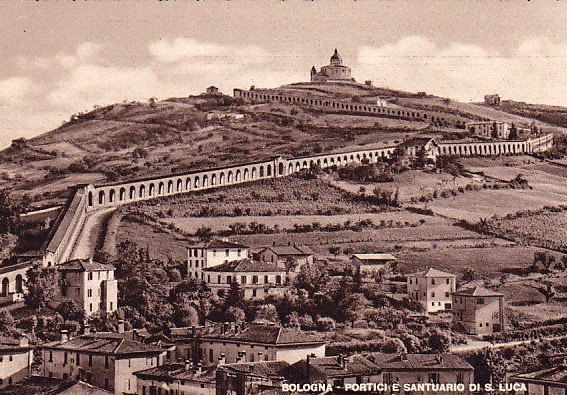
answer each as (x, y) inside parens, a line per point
(132, 139)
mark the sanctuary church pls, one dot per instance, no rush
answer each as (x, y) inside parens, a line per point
(334, 72)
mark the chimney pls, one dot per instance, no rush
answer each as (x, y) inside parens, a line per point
(64, 335)
(308, 367)
(222, 359)
(188, 365)
(121, 326)
(199, 368)
(260, 355)
(225, 327)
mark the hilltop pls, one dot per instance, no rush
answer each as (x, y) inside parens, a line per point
(133, 139)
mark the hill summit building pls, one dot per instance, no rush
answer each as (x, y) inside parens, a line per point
(333, 72)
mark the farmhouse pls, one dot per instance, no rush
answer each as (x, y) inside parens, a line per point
(255, 279)
(90, 284)
(212, 254)
(289, 257)
(257, 342)
(432, 288)
(478, 311)
(370, 264)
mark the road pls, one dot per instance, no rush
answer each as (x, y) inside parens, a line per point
(474, 344)
(87, 240)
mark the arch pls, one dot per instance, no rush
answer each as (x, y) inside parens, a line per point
(281, 168)
(352, 158)
(358, 157)
(325, 163)
(122, 194)
(5, 286)
(332, 161)
(290, 168)
(254, 173)
(132, 192)
(221, 178)
(318, 162)
(229, 177)
(196, 182)
(101, 197)
(238, 176)
(152, 189)
(188, 183)
(305, 164)
(246, 174)
(90, 199)
(269, 170)
(338, 160)
(261, 171)
(297, 166)
(19, 283)
(179, 186)
(345, 159)
(161, 188)
(170, 186)
(205, 181)
(213, 179)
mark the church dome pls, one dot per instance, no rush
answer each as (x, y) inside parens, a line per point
(336, 58)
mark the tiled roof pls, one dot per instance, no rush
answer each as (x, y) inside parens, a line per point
(178, 371)
(557, 374)
(289, 250)
(84, 265)
(352, 366)
(218, 243)
(245, 265)
(431, 273)
(407, 362)
(271, 369)
(103, 345)
(275, 334)
(477, 291)
(375, 257)
(81, 388)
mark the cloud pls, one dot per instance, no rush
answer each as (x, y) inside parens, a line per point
(183, 49)
(14, 90)
(534, 72)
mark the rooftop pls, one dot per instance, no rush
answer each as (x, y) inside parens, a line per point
(477, 291)
(416, 142)
(288, 250)
(84, 265)
(49, 386)
(270, 370)
(374, 257)
(556, 374)
(180, 371)
(245, 265)
(219, 243)
(431, 273)
(105, 345)
(333, 367)
(405, 362)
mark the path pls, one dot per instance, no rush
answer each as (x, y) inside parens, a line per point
(474, 344)
(90, 233)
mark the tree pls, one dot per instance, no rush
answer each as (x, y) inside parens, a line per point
(41, 284)
(352, 305)
(6, 322)
(10, 210)
(69, 310)
(439, 341)
(513, 135)
(335, 250)
(544, 258)
(469, 274)
(268, 313)
(235, 314)
(547, 290)
(234, 296)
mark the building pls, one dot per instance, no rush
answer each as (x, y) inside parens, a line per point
(336, 371)
(256, 279)
(257, 342)
(489, 129)
(333, 72)
(416, 146)
(251, 378)
(290, 257)
(104, 362)
(416, 369)
(90, 284)
(478, 311)
(212, 90)
(37, 385)
(218, 115)
(552, 381)
(212, 254)
(371, 264)
(433, 289)
(177, 378)
(492, 100)
(16, 357)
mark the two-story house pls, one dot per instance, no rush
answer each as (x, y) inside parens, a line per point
(478, 311)
(90, 284)
(214, 253)
(290, 257)
(433, 289)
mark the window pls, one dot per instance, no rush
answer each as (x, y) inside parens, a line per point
(65, 358)
(219, 279)
(90, 360)
(266, 281)
(480, 301)
(460, 378)
(78, 359)
(90, 275)
(447, 281)
(434, 378)
(228, 279)
(254, 279)
(432, 281)
(90, 293)
(111, 307)
(278, 279)
(209, 278)
(243, 279)
(90, 307)
(410, 281)
(106, 362)
(50, 356)
(10, 358)
(239, 252)
(211, 355)
(227, 252)
(105, 383)
(432, 294)
(214, 252)
(254, 293)
(446, 294)
(65, 375)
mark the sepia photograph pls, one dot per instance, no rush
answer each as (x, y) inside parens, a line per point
(273, 197)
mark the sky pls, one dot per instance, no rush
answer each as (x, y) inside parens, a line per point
(60, 57)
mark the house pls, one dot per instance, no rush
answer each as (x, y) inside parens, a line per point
(212, 254)
(336, 371)
(489, 129)
(492, 100)
(177, 378)
(90, 284)
(290, 257)
(432, 288)
(424, 370)
(257, 342)
(212, 90)
(250, 378)
(256, 279)
(478, 311)
(419, 146)
(549, 381)
(104, 362)
(16, 357)
(370, 264)
(37, 385)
